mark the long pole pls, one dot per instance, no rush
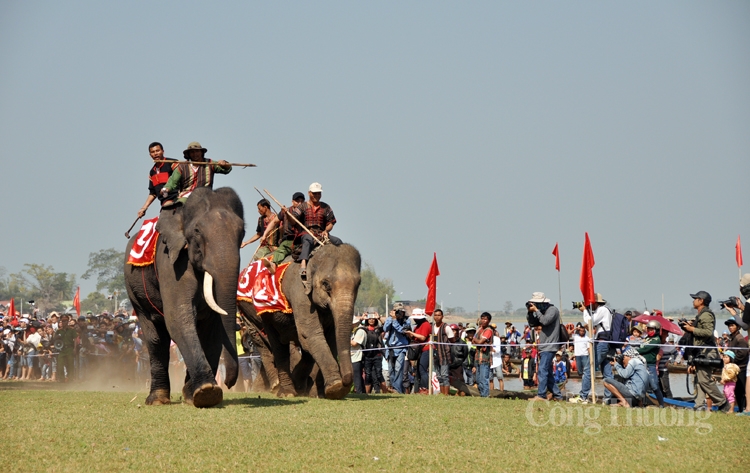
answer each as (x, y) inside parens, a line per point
(293, 218)
(203, 163)
(559, 292)
(592, 355)
(429, 371)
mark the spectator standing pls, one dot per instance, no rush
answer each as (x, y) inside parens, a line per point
(444, 334)
(359, 337)
(395, 334)
(373, 356)
(601, 320)
(703, 327)
(421, 334)
(581, 343)
(541, 313)
(484, 354)
(470, 368)
(65, 358)
(666, 355)
(738, 342)
(459, 352)
(729, 377)
(527, 372)
(496, 368)
(560, 371)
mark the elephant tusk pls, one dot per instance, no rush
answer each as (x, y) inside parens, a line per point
(208, 294)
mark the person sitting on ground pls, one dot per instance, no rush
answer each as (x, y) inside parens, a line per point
(508, 367)
(528, 370)
(267, 244)
(318, 217)
(635, 374)
(560, 371)
(729, 377)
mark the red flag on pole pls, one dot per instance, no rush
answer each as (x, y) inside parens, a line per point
(587, 276)
(77, 301)
(556, 252)
(738, 252)
(12, 312)
(431, 282)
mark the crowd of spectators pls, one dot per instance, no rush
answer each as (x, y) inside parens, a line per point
(65, 347)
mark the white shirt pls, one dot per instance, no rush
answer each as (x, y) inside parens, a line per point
(360, 335)
(448, 330)
(602, 316)
(34, 339)
(497, 354)
(581, 344)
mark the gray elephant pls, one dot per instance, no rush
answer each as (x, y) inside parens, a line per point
(321, 323)
(193, 300)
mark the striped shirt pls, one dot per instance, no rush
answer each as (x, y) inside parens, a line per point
(187, 177)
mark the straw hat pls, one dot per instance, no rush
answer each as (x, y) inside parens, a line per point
(194, 145)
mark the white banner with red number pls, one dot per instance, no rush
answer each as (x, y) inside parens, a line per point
(263, 289)
(144, 249)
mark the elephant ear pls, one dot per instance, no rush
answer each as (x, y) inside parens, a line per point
(170, 230)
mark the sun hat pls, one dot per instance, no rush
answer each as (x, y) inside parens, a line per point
(194, 145)
(600, 299)
(745, 280)
(538, 297)
(315, 187)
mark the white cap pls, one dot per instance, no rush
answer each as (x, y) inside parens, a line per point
(315, 187)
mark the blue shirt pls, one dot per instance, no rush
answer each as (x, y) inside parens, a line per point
(560, 371)
(635, 375)
(395, 331)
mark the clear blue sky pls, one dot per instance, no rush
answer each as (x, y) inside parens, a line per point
(483, 131)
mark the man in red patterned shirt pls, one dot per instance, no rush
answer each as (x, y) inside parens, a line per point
(158, 176)
(318, 217)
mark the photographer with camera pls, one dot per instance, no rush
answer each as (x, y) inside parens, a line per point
(702, 363)
(395, 329)
(541, 313)
(631, 367)
(601, 320)
(649, 350)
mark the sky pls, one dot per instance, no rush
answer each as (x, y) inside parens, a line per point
(485, 132)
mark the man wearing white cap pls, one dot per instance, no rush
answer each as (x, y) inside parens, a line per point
(318, 217)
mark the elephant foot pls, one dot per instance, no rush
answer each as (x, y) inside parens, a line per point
(337, 390)
(286, 391)
(159, 397)
(207, 395)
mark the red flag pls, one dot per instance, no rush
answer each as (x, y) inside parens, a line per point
(587, 276)
(12, 310)
(738, 252)
(556, 252)
(431, 282)
(77, 301)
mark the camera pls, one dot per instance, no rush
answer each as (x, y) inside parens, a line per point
(683, 322)
(528, 305)
(730, 302)
(702, 361)
(619, 358)
(577, 305)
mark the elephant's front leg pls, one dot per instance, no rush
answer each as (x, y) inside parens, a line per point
(313, 340)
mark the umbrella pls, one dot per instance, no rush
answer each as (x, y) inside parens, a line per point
(667, 325)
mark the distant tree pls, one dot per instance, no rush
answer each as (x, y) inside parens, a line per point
(96, 302)
(372, 291)
(44, 285)
(107, 267)
(508, 307)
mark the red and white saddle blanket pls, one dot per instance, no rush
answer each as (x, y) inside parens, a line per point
(144, 249)
(257, 285)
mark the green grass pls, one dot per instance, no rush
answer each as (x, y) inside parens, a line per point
(96, 431)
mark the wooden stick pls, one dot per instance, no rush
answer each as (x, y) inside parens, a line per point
(261, 244)
(127, 234)
(293, 218)
(203, 163)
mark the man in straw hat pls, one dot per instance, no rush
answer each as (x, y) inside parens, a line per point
(601, 320)
(541, 313)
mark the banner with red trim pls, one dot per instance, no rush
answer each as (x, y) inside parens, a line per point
(258, 286)
(143, 251)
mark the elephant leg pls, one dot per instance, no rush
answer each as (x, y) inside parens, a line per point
(207, 394)
(157, 339)
(266, 356)
(281, 359)
(314, 340)
(301, 373)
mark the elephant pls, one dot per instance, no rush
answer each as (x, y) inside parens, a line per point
(192, 300)
(321, 323)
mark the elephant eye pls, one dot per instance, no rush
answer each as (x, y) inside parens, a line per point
(326, 285)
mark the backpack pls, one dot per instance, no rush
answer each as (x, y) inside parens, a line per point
(373, 341)
(619, 328)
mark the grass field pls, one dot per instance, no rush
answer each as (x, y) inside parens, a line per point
(99, 431)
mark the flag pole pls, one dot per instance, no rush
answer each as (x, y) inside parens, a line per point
(429, 371)
(559, 291)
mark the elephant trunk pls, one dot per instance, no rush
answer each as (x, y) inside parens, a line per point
(226, 301)
(343, 311)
